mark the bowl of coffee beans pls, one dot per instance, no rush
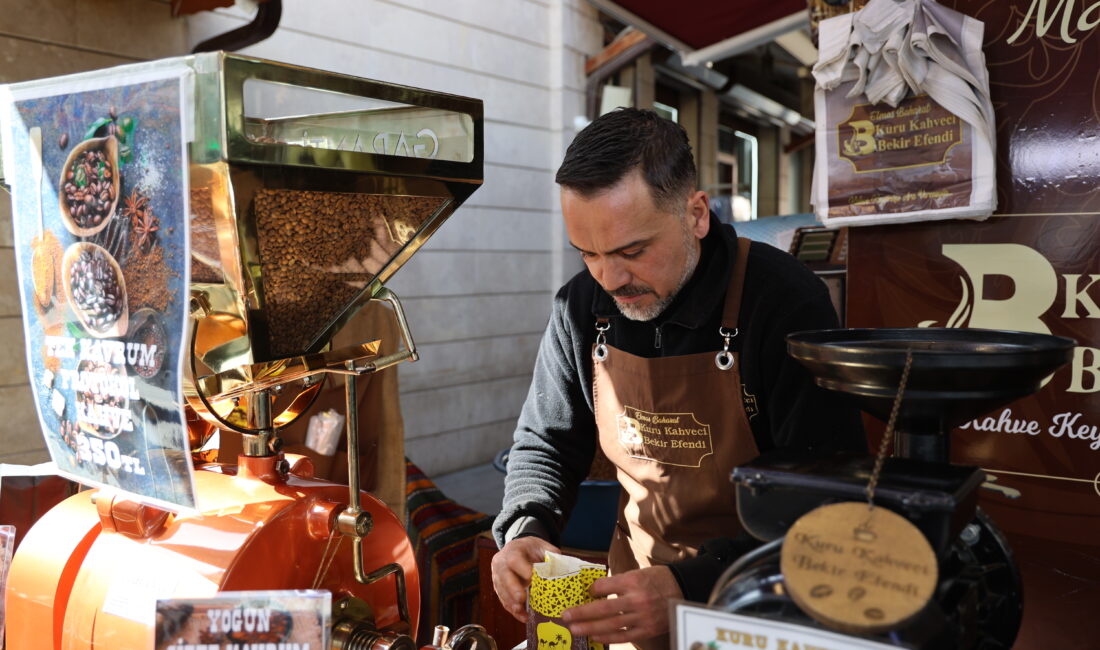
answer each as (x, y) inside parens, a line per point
(95, 289)
(89, 186)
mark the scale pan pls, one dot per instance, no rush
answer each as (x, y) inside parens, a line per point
(957, 374)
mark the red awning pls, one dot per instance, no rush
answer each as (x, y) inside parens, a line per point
(705, 30)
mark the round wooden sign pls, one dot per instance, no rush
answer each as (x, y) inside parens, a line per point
(858, 569)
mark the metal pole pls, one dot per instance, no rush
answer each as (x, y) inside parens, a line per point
(353, 440)
(259, 420)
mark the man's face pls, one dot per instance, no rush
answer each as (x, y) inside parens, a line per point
(640, 254)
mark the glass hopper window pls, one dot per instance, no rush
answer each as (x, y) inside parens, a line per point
(282, 114)
(319, 250)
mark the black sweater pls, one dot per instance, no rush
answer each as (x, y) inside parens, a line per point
(556, 438)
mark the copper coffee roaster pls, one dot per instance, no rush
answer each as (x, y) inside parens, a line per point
(309, 190)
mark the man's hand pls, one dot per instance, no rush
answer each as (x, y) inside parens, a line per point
(512, 567)
(638, 611)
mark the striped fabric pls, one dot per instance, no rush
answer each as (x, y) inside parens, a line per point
(443, 534)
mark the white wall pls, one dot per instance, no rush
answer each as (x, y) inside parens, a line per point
(478, 294)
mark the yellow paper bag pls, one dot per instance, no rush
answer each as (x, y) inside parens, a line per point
(558, 583)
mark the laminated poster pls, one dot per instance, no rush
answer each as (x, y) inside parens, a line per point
(99, 183)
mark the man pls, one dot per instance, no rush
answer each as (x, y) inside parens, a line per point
(669, 353)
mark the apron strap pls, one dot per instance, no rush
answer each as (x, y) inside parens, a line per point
(732, 309)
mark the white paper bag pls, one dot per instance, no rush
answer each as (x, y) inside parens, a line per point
(905, 127)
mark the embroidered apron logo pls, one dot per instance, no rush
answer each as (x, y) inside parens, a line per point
(752, 408)
(668, 438)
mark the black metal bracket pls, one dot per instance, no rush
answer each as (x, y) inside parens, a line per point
(263, 25)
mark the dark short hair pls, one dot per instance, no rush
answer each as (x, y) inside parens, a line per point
(616, 143)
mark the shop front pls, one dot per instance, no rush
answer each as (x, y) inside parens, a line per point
(1029, 267)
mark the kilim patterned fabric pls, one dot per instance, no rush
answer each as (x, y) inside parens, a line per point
(443, 534)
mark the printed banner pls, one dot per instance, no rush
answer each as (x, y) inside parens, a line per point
(1033, 274)
(287, 620)
(1041, 453)
(99, 181)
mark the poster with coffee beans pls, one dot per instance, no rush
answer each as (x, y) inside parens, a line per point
(99, 187)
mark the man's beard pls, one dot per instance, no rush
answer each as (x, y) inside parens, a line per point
(648, 313)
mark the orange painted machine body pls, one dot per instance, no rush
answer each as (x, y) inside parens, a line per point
(88, 573)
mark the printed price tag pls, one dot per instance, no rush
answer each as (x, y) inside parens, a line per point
(701, 628)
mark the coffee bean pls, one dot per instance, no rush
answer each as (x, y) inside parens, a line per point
(63, 142)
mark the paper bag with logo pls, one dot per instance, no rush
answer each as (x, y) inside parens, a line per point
(905, 126)
(557, 584)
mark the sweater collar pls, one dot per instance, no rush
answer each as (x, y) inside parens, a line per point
(702, 294)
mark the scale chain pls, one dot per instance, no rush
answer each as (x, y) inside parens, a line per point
(888, 436)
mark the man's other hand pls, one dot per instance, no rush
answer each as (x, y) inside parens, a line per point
(512, 567)
(639, 609)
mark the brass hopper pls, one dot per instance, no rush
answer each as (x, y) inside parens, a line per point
(309, 190)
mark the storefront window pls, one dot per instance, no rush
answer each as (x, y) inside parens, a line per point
(738, 175)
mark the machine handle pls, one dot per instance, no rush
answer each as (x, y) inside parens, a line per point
(386, 295)
(391, 568)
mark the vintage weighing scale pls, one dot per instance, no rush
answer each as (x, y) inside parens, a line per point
(954, 376)
(270, 203)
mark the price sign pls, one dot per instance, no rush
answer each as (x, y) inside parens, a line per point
(701, 628)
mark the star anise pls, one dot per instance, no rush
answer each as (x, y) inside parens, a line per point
(135, 205)
(145, 226)
(142, 220)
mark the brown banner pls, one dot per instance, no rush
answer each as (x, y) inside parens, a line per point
(1039, 274)
(1020, 273)
(1025, 272)
(1042, 56)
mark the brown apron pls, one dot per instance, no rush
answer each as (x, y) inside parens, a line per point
(675, 427)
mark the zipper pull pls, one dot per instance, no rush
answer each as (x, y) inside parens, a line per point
(657, 338)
